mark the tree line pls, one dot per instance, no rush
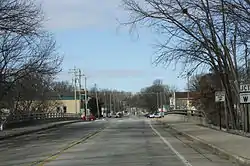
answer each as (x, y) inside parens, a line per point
(152, 97)
(149, 98)
(202, 35)
(108, 100)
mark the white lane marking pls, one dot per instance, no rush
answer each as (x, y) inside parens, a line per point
(185, 162)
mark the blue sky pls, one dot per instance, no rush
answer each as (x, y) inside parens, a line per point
(88, 36)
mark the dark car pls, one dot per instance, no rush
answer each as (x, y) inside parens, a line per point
(118, 115)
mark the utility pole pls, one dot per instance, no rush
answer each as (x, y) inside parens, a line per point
(97, 104)
(80, 89)
(85, 94)
(157, 100)
(161, 105)
(110, 101)
(118, 102)
(74, 72)
(80, 75)
(164, 97)
(188, 82)
(114, 101)
(105, 104)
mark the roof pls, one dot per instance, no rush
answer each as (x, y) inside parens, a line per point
(66, 96)
(184, 95)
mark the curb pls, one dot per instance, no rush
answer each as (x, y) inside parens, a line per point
(37, 130)
(240, 133)
(216, 150)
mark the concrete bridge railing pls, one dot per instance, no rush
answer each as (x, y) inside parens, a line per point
(33, 118)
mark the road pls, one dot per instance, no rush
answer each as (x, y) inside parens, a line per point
(123, 142)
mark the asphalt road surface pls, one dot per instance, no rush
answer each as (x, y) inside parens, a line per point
(29, 149)
(123, 142)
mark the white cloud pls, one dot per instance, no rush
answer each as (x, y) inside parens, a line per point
(68, 14)
(119, 73)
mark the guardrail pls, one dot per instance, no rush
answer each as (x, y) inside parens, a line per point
(10, 119)
(197, 113)
(194, 116)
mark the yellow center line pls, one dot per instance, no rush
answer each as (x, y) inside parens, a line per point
(57, 154)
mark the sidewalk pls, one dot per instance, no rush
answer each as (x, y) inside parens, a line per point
(8, 133)
(231, 146)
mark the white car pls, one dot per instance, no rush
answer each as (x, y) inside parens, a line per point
(157, 115)
(151, 116)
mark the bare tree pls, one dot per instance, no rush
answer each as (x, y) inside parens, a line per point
(62, 86)
(20, 59)
(198, 33)
(28, 54)
(31, 93)
(20, 17)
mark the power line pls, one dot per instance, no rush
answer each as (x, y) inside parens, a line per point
(151, 93)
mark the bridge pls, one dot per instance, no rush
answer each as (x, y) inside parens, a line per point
(20, 120)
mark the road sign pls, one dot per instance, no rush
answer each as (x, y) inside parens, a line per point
(219, 96)
(244, 98)
(245, 88)
(171, 100)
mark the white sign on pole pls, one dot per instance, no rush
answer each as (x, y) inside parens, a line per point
(245, 88)
(219, 96)
(244, 98)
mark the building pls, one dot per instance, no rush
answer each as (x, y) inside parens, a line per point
(183, 100)
(67, 103)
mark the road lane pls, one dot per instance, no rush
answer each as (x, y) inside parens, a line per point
(125, 143)
(28, 149)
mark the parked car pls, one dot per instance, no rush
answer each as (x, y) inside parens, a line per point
(83, 117)
(147, 115)
(91, 117)
(151, 116)
(157, 115)
(88, 117)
